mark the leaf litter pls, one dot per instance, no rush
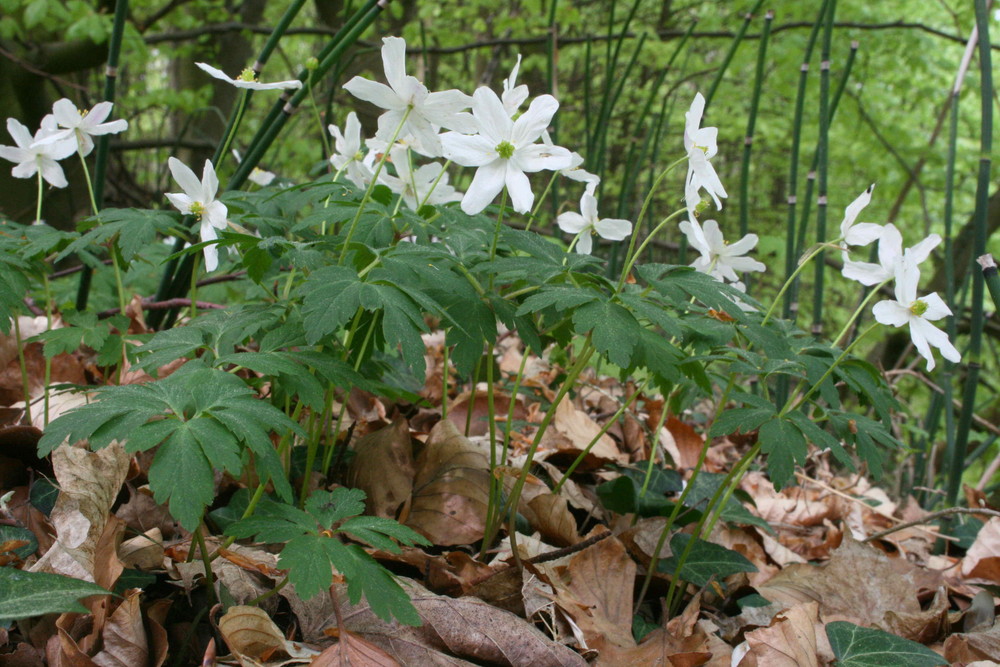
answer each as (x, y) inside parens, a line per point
(813, 583)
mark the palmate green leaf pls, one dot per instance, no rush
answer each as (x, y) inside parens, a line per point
(743, 420)
(135, 228)
(704, 487)
(13, 288)
(26, 594)
(366, 577)
(615, 331)
(308, 564)
(329, 507)
(181, 475)
(380, 532)
(784, 445)
(821, 438)
(556, 296)
(854, 646)
(706, 561)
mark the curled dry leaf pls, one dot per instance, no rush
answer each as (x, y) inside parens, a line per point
(383, 468)
(572, 431)
(458, 410)
(88, 483)
(970, 646)
(553, 519)
(143, 552)
(451, 488)
(681, 442)
(125, 641)
(982, 560)
(790, 640)
(251, 634)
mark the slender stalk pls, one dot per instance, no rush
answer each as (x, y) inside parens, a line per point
(101, 157)
(737, 38)
(822, 159)
(979, 249)
(748, 139)
(23, 363)
(791, 247)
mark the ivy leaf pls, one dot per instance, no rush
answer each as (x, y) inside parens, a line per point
(855, 646)
(26, 594)
(705, 561)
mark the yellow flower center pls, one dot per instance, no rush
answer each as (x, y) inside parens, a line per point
(248, 75)
(918, 308)
(197, 209)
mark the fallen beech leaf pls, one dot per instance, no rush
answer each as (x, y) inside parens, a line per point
(124, 636)
(790, 640)
(143, 552)
(383, 468)
(982, 560)
(250, 633)
(451, 488)
(353, 651)
(572, 431)
(595, 590)
(859, 583)
(464, 627)
(458, 411)
(553, 519)
(684, 446)
(89, 483)
(969, 646)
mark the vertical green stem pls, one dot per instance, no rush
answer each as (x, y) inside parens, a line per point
(979, 249)
(822, 156)
(748, 17)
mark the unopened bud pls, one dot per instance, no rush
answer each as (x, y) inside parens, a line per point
(311, 64)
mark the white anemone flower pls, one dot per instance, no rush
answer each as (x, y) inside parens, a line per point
(248, 79)
(198, 199)
(513, 96)
(504, 151)
(81, 126)
(890, 252)
(426, 185)
(33, 156)
(862, 233)
(700, 144)
(586, 224)
(918, 313)
(349, 158)
(723, 261)
(425, 112)
(574, 171)
(261, 177)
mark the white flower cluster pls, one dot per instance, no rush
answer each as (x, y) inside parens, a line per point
(65, 131)
(902, 266)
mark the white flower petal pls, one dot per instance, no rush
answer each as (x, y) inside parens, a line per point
(378, 94)
(394, 61)
(613, 229)
(585, 244)
(571, 222)
(519, 190)
(529, 127)
(190, 184)
(891, 313)
(486, 185)
(936, 307)
(493, 120)
(468, 151)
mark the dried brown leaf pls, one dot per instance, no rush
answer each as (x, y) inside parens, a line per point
(458, 410)
(88, 483)
(966, 647)
(982, 560)
(143, 552)
(790, 640)
(353, 651)
(451, 488)
(572, 431)
(383, 468)
(553, 519)
(125, 643)
(250, 633)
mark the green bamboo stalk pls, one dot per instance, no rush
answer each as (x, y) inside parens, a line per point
(748, 139)
(791, 255)
(551, 49)
(945, 400)
(978, 281)
(822, 157)
(101, 159)
(604, 121)
(747, 18)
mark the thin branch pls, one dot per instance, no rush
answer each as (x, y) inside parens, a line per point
(165, 305)
(931, 517)
(233, 26)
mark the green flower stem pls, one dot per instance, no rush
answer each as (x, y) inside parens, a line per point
(269, 594)
(600, 434)
(857, 312)
(434, 185)
(538, 203)
(791, 280)
(652, 452)
(22, 362)
(586, 352)
(207, 560)
(634, 256)
(813, 386)
(496, 232)
(679, 504)
(368, 192)
(444, 378)
(319, 122)
(38, 206)
(47, 287)
(513, 404)
(234, 126)
(731, 479)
